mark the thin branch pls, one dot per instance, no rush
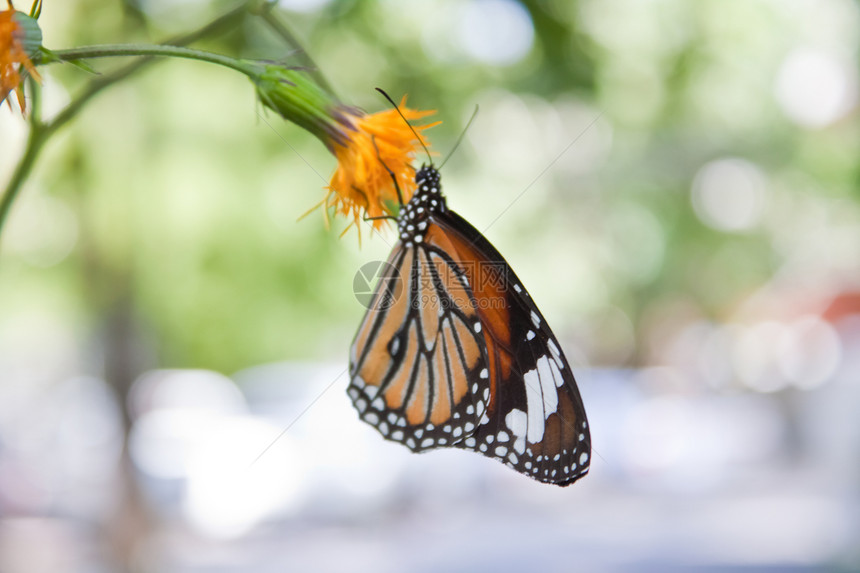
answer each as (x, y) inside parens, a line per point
(34, 144)
(114, 50)
(39, 133)
(277, 24)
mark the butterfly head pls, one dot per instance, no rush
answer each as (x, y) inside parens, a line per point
(427, 200)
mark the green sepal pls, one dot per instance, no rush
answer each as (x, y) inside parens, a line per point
(298, 99)
(29, 33)
(36, 9)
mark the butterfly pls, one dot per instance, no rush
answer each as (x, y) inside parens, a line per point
(453, 352)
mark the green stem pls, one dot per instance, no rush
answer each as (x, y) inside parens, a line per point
(277, 24)
(113, 50)
(40, 133)
(34, 145)
(35, 102)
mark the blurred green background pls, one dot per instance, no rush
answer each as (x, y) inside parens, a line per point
(168, 210)
(675, 182)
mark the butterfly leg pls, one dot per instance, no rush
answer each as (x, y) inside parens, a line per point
(390, 172)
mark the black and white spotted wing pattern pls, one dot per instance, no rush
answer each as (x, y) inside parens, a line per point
(418, 367)
(454, 353)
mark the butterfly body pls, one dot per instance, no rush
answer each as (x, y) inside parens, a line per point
(453, 352)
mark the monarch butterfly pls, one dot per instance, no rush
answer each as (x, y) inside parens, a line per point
(452, 351)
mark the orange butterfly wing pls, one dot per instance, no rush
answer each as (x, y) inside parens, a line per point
(418, 365)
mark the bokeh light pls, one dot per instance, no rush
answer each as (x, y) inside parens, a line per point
(497, 32)
(730, 194)
(814, 88)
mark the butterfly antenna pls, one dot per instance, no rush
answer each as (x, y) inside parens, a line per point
(400, 113)
(460, 139)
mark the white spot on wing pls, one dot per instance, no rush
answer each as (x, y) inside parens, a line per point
(547, 386)
(534, 407)
(520, 445)
(516, 421)
(556, 373)
(541, 398)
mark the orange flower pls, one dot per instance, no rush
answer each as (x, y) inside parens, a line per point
(14, 54)
(370, 146)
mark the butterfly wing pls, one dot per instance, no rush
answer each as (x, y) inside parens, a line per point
(418, 364)
(535, 421)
